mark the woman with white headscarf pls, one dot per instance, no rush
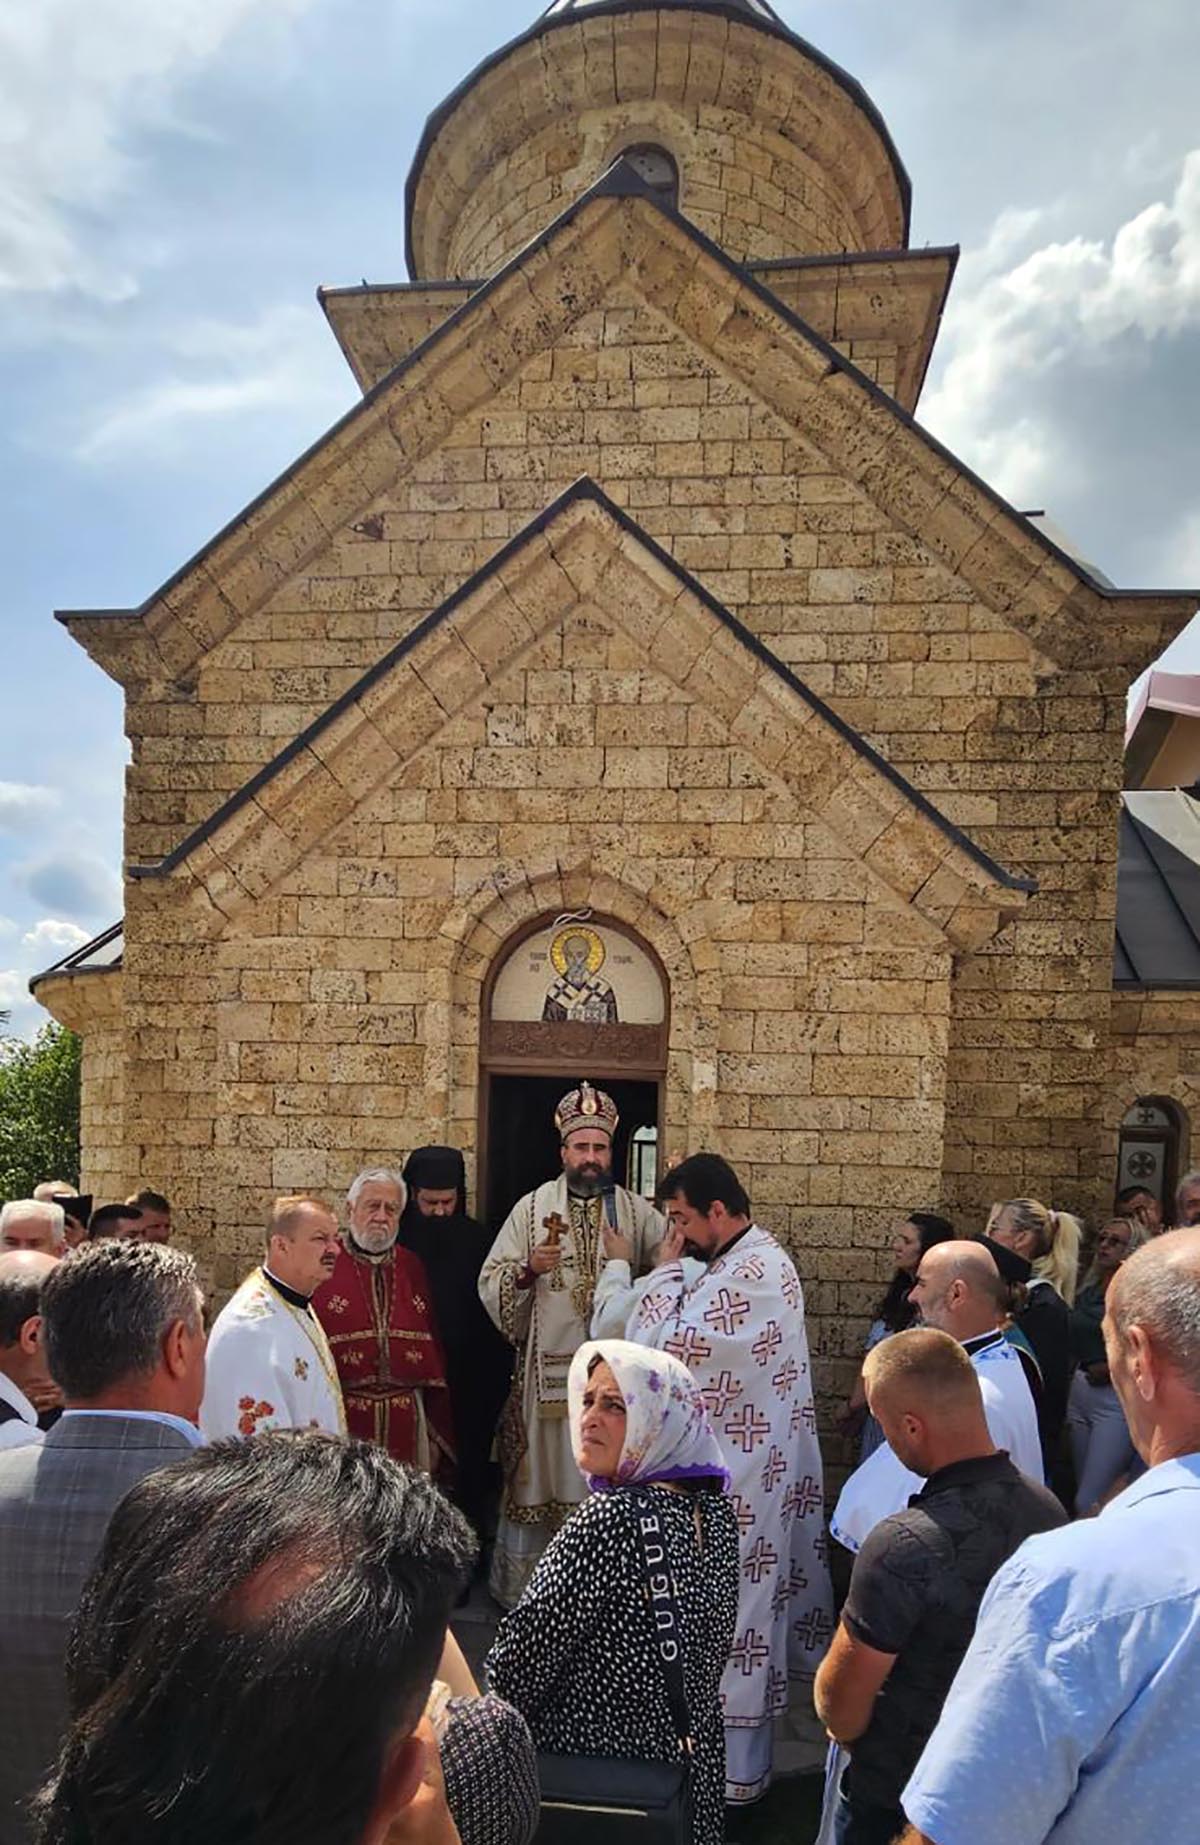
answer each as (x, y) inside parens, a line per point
(578, 1656)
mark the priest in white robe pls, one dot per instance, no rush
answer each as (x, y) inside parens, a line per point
(538, 1285)
(740, 1330)
(269, 1362)
(960, 1291)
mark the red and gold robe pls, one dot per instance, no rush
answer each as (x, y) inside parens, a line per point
(377, 1317)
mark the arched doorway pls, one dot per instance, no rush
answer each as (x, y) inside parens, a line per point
(1150, 1149)
(568, 996)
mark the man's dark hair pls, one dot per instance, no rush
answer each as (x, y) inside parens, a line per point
(108, 1219)
(107, 1309)
(20, 1301)
(264, 1622)
(1129, 1192)
(703, 1180)
(146, 1200)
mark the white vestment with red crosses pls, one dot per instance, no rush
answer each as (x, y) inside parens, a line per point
(740, 1330)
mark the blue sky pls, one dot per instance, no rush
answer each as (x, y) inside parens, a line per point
(177, 178)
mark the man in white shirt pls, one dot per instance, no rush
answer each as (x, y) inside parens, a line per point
(269, 1362)
(22, 1358)
(958, 1290)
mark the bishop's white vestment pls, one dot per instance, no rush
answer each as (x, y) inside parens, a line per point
(269, 1367)
(883, 1484)
(547, 1322)
(740, 1331)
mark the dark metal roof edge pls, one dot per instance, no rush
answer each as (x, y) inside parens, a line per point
(836, 259)
(67, 964)
(67, 615)
(613, 9)
(585, 489)
(326, 293)
(1156, 986)
(849, 259)
(954, 252)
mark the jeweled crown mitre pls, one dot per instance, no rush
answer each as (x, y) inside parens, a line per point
(586, 1107)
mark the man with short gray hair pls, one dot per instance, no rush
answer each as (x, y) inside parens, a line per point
(1187, 1202)
(123, 1326)
(1080, 1693)
(33, 1223)
(377, 1313)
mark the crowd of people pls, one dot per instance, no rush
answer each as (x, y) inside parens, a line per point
(229, 1558)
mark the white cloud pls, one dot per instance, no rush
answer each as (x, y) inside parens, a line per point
(1020, 315)
(14, 988)
(220, 372)
(51, 933)
(23, 806)
(79, 79)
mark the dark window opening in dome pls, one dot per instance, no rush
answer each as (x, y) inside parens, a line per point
(658, 169)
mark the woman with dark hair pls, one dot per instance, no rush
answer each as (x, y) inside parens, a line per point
(919, 1231)
(579, 1655)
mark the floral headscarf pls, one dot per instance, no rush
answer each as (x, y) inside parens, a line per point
(667, 1432)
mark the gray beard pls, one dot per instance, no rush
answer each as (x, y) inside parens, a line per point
(374, 1243)
(585, 1186)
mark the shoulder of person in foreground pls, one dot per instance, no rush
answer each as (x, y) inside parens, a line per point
(490, 1768)
(1070, 1634)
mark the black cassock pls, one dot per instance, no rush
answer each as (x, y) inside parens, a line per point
(478, 1360)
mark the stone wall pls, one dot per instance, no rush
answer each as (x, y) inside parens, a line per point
(1155, 1052)
(91, 1004)
(798, 553)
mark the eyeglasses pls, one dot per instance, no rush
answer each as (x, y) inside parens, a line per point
(1115, 1242)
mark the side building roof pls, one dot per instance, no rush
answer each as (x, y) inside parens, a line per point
(1158, 890)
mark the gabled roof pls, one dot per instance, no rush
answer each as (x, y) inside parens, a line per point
(620, 234)
(585, 551)
(893, 296)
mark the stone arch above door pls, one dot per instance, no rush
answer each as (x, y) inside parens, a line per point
(477, 937)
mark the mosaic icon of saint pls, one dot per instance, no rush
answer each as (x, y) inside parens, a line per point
(578, 994)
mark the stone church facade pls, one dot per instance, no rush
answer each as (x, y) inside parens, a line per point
(631, 592)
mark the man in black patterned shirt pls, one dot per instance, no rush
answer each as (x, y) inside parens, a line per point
(920, 1576)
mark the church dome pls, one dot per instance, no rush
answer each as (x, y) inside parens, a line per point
(775, 151)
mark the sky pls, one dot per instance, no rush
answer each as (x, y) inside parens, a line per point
(177, 178)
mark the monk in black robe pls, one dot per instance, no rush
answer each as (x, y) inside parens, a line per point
(452, 1246)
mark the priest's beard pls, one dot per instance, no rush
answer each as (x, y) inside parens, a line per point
(587, 1184)
(374, 1242)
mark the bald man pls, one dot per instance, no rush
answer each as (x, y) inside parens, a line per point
(921, 1575)
(960, 1291)
(1079, 1697)
(23, 1372)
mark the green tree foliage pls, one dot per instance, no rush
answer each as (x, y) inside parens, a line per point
(39, 1110)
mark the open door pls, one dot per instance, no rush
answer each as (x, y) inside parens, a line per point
(522, 1141)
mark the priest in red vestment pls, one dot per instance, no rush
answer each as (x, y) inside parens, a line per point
(377, 1314)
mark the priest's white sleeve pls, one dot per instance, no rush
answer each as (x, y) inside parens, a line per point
(250, 1385)
(508, 1305)
(615, 1299)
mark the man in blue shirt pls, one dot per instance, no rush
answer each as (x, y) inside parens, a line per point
(1080, 1694)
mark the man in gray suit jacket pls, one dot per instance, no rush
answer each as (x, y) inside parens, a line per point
(124, 1332)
